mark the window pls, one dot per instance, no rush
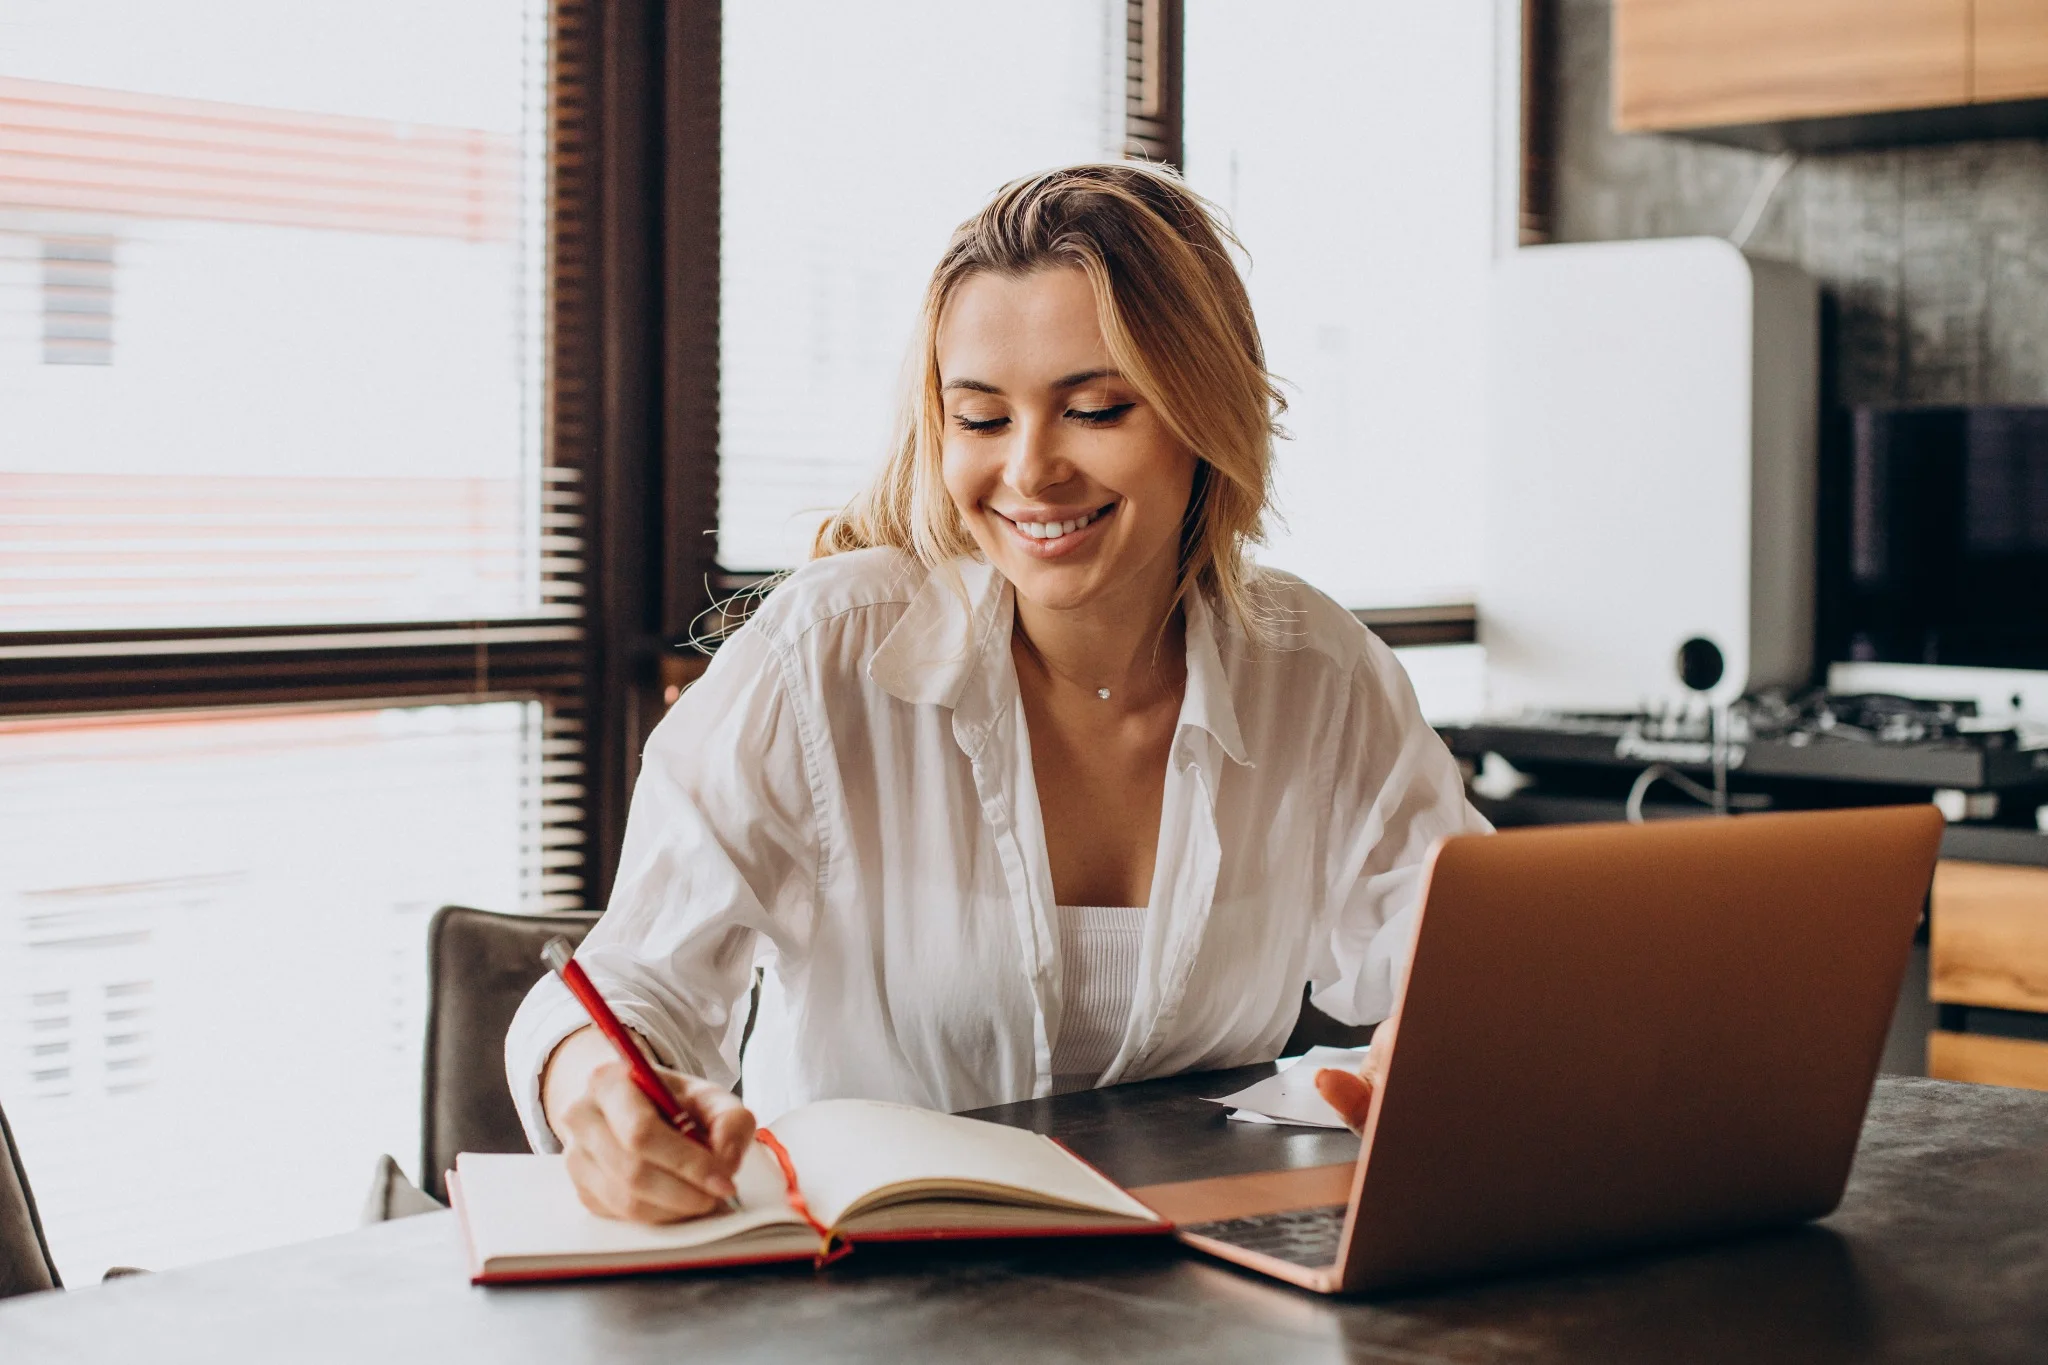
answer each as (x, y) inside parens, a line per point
(296, 361)
(331, 257)
(855, 138)
(1353, 148)
(212, 928)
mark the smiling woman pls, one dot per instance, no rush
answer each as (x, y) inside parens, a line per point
(1108, 291)
(1031, 780)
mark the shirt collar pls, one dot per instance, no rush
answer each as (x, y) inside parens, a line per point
(951, 646)
(1207, 704)
(945, 636)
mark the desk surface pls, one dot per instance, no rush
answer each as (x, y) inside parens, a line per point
(1939, 1253)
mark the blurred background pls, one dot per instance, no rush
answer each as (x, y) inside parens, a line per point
(388, 392)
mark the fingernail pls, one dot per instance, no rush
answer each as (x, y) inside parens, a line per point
(721, 1187)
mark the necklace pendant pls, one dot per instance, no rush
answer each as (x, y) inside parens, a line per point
(1102, 692)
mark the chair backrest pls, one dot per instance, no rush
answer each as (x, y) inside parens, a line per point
(25, 1264)
(1313, 1028)
(479, 967)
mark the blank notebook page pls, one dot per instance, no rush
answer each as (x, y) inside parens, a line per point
(845, 1148)
(527, 1206)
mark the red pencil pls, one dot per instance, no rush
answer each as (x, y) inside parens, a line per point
(556, 955)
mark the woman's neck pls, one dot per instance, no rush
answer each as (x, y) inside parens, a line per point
(1130, 650)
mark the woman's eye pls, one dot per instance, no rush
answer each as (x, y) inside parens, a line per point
(1101, 417)
(980, 424)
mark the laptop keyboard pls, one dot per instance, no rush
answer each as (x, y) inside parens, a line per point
(1304, 1237)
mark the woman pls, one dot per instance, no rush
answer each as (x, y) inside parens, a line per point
(1029, 781)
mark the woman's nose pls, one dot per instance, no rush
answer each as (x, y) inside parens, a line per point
(1034, 461)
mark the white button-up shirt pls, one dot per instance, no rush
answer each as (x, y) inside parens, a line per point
(846, 799)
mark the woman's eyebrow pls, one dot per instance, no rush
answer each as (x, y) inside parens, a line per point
(1072, 381)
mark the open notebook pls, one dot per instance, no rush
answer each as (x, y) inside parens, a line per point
(862, 1171)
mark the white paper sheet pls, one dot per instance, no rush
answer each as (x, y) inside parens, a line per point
(1291, 1096)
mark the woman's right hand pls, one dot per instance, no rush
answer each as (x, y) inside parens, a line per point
(1350, 1092)
(625, 1159)
(1347, 1092)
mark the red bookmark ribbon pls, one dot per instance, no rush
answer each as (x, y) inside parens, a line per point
(831, 1245)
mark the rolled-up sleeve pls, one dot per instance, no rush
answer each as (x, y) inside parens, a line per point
(718, 867)
(1395, 791)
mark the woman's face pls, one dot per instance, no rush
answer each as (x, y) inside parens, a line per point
(1067, 479)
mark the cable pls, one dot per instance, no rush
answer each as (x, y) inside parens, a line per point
(1717, 741)
(1663, 772)
(1760, 197)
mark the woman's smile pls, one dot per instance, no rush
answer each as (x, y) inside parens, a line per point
(1048, 535)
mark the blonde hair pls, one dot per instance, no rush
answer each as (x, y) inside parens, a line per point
(1179, 327)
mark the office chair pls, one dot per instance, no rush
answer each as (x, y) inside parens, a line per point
(479, 967)
(1313, 1028)
(25, 1264)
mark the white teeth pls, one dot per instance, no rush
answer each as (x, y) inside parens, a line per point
(1052, 530)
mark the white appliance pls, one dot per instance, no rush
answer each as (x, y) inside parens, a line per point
(1650, 473)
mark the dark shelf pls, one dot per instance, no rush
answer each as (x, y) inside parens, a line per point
(1898, 127)
(1995, 844)
(1965, 766)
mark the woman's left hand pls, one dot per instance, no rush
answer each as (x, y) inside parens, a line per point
(1349, 1093)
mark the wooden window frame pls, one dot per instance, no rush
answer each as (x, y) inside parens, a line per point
(1154, 40)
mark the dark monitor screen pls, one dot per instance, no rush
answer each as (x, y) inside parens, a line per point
(1943, 550)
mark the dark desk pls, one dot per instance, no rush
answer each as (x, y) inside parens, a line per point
(1940, 1253)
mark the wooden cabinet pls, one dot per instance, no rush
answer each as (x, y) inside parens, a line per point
(1986, 1060)
(1872, 67)
(2010, 44)
(1698, 63)
(1988, 947)
(1988, 939)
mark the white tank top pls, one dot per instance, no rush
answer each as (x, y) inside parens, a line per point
(1098, 979)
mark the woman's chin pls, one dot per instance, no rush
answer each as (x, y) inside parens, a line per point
(1052, 587)
(1055, 582)
(1082, 580)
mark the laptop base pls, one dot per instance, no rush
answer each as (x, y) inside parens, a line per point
(1268, 1221)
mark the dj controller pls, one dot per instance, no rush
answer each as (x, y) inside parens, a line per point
(1817, 737)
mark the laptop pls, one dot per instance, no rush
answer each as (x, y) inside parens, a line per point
(1612, 1037)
